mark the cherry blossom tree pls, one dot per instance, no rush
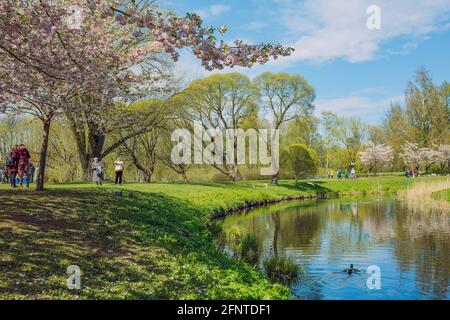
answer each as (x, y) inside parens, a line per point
(54, 52)
(376, 156)
(443, 156)
(417, 157)
(411, 155)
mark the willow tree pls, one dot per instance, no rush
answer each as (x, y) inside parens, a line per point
(220, 102)
(301, 159)
(347, 133)
(284, 98)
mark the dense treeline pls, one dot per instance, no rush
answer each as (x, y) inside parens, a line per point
(140, 131)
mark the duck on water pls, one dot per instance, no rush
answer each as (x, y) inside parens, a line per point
(351, 269)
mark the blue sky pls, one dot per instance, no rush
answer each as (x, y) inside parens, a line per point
(354, 70)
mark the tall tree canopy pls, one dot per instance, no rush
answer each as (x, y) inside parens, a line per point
(53, 52)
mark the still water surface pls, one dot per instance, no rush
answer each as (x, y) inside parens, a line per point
(411, 247)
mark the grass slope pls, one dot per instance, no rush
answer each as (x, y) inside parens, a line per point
(152, 242)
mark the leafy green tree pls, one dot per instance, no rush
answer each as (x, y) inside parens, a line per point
(427, 110)
(220, 102)
(395, 128)
(346, 133)
(301, 159)
(139, 146)
(303, 130)
(284, 98)
(376, 134)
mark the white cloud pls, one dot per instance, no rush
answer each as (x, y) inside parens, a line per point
(256, 25)
(357, 105)
(322, 30)
(212, 11)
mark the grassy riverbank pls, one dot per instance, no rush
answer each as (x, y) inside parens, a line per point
(152, 242)
(442, 195)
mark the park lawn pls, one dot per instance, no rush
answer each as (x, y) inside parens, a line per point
(152, 242)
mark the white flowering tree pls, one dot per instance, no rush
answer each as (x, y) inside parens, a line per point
(442, 157)
(411, 155)
(376, 156)
(416, 157)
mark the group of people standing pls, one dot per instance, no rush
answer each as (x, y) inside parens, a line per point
(18, 168)
(347, 174)
(98, 171)
(411, 173)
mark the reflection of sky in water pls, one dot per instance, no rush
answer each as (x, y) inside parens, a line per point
(325, 237)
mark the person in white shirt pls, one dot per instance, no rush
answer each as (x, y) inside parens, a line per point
(118, 168)
(353, 173)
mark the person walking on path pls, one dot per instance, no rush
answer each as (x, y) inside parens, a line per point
(339, 174)
(98, 171)
(23, 157)
(118, 168)
(353, 174)
(346, 173)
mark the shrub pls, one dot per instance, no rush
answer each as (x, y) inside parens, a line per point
(250, 249)
(283, 270)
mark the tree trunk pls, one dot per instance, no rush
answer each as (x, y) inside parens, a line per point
(275, 179)
(148, 176)
(43, 156)
(86, 175)
(233, 173)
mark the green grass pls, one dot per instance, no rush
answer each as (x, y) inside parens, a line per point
(153, 242)
(444, 194)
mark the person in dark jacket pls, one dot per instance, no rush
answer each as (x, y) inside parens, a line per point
(12, 165)
(31, 171)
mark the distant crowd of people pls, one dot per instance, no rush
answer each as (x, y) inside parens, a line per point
(18, 169)
(411, 173)
(347, 174)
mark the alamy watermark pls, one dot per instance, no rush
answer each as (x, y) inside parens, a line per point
(74, 280)
(228, 146)
(374, 280)
(374, 20)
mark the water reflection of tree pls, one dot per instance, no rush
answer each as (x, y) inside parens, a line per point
(295, 227)
(293, 231)
(420, 240)
(276, 232)
(423, 245)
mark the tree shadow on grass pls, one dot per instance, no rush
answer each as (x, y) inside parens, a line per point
(307, 186)
(137, 245)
